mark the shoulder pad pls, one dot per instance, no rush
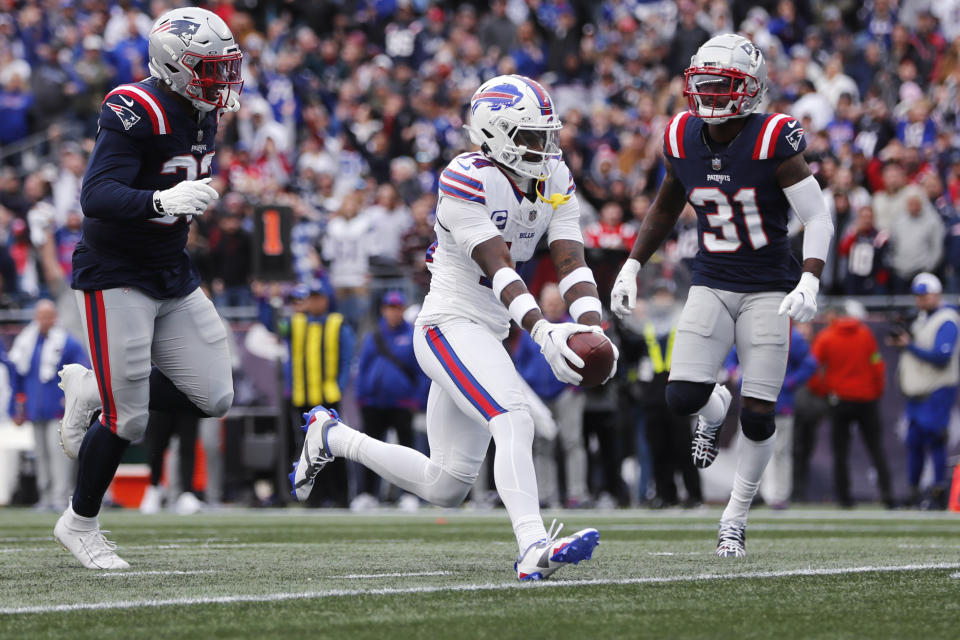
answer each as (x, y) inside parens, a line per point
(780, 137)
(673, 135)
(463, 178)
(561, 180)
(132, 110)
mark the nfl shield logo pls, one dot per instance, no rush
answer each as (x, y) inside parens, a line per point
(715, 163)
(533, 215)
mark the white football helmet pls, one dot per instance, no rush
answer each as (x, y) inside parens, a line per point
(193, 52)
(514, 121)
(726, 79)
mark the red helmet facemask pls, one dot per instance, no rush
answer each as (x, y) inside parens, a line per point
(213, 74)
(710, 91)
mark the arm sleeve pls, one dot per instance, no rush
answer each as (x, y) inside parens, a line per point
(469, 223)
(113, 167)
(943, 345)
(565, 224)
(806, 198)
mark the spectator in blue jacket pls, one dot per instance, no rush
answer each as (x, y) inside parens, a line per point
(565, 402)
(37, 354)
(777, 482)
(389, 386)
(16, 99)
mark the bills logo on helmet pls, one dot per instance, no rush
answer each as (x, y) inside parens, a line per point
(183, 29)
(500, 96)
(127, 116)
(795, 136)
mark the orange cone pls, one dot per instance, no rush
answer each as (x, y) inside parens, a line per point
(954, 504)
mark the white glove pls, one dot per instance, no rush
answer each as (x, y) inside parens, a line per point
(38, 220)
(623, 296)
(233, 101)
(801, 303)
(616, 357)
(552, 338)
(187, 198)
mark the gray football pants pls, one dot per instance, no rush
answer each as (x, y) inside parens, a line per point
(184, 337)
(713, 320)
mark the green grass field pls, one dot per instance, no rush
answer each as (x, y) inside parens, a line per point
(448, 574)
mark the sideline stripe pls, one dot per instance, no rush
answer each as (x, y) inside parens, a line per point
(559, 584)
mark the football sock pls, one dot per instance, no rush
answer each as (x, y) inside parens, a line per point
(751, 461)
(713, 412)
(164, 396)
(81, 523)
(405, 467)
(514, 475)
(99, 457)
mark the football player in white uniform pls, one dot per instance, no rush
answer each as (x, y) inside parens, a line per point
(494, 207)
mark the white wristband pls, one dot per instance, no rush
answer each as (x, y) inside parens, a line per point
(521, 306)
(580, 274)
(503, 277)
(585, 304)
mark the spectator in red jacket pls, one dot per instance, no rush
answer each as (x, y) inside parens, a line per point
(851, 375)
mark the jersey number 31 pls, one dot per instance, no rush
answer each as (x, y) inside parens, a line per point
(726, 239)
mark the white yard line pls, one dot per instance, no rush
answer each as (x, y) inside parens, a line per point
(130, 574)
(559, 584)
(364, 576)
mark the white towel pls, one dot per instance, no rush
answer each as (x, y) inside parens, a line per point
(21, 353)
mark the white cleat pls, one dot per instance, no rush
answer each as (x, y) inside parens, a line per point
(316, 452)
(90, 547)
(542, 558)
(152, 500)
(188, 504)
(706, 440)
(732, 539)
(81, 403)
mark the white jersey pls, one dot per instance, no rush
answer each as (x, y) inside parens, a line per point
(478, 202)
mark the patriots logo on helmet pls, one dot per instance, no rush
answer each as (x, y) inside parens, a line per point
(127, 116)
(500, 96)
(183, 29)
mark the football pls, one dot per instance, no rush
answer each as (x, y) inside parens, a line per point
(597, 354)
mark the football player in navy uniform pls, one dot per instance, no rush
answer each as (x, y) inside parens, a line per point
(742, 171)
(138, 292)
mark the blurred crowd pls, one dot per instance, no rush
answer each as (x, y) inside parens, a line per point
(350, 110)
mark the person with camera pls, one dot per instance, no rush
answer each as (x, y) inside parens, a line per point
(929, 374)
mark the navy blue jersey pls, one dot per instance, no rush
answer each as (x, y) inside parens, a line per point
(741, 210)
(148, 140)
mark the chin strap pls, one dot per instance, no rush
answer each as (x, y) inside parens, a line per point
(554, 200)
